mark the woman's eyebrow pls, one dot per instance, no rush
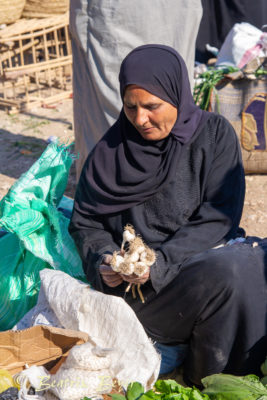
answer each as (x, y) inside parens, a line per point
(154, 103)
(149, 104)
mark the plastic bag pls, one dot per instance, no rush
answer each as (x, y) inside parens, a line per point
(6, 380)
(38, 235)
(243, 43)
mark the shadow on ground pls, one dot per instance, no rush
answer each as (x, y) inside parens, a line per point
(18, 152)
(44, 117)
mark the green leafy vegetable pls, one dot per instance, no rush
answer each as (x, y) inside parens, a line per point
(134, 391)
(168, 386)
(163, 390)
(230, 387)
(171, 390)
(150, 395)
(117, 396)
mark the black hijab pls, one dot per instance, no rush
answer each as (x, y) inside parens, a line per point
(124, 169)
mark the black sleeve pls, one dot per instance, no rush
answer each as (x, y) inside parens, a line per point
(92, 243)
(91, 237)
(217, 218)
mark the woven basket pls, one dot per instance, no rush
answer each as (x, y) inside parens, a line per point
(10, 10)
(234, 99)
(44, 8)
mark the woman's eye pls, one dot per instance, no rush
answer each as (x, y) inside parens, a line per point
(152, 107)
(129, 107)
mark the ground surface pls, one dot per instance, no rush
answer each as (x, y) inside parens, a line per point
(23, 137)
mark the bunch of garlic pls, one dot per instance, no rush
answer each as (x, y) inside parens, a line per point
(137, 259)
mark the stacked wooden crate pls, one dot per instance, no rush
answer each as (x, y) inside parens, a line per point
(35, 62)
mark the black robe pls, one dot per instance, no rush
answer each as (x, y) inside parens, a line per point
(198, 210)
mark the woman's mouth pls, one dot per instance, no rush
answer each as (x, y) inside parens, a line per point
(147, 129)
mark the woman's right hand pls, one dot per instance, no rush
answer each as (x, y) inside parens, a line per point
(109, 277)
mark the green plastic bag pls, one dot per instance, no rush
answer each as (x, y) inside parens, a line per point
(38, 235)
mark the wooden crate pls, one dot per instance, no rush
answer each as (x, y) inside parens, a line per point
(35, 62)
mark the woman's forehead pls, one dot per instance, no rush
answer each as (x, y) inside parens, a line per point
(135, 92)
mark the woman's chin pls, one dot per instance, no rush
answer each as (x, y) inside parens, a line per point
(152, 135)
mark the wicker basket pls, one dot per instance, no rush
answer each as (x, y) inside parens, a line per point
(233, 98)
(10, 10)
(44, 8)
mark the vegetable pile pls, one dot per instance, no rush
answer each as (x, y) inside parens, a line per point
(216, 387)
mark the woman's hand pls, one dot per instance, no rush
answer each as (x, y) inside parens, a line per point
(110, 277)
(136, 279)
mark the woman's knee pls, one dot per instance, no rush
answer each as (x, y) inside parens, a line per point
(215, 269)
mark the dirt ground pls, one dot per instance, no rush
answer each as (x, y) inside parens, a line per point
(23, 137)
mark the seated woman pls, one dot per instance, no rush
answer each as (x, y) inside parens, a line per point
(174, 172)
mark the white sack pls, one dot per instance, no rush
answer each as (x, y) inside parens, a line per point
(109, 322)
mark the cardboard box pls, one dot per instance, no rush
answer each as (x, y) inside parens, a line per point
(38, 345)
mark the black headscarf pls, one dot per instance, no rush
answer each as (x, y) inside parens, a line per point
(124, 169)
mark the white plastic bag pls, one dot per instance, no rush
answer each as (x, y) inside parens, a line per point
(32, 377)
(243, 43)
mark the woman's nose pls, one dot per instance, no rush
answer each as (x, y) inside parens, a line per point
(141, 117)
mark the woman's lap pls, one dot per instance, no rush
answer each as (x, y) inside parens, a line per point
(217, 304)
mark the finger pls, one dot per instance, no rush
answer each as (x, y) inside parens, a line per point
(107, 258)
(107, 270)
(112, 282)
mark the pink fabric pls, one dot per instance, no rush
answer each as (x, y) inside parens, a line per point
(254, 51)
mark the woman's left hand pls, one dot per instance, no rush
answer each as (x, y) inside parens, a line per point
(136, 279)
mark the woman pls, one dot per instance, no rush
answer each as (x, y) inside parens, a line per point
(175, 173)
(102, 33)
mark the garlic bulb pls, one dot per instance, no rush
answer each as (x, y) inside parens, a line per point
(137, 245)
(127, 268)
(137, 259)
(140, 268)
(128, 235)
(116, 261)
(148, 256)
(132, 257)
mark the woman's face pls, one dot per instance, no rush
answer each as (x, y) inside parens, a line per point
(150, 115)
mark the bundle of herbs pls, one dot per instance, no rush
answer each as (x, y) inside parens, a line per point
(208, 80)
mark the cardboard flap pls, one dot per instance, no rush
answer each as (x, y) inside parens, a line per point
(37, 345)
